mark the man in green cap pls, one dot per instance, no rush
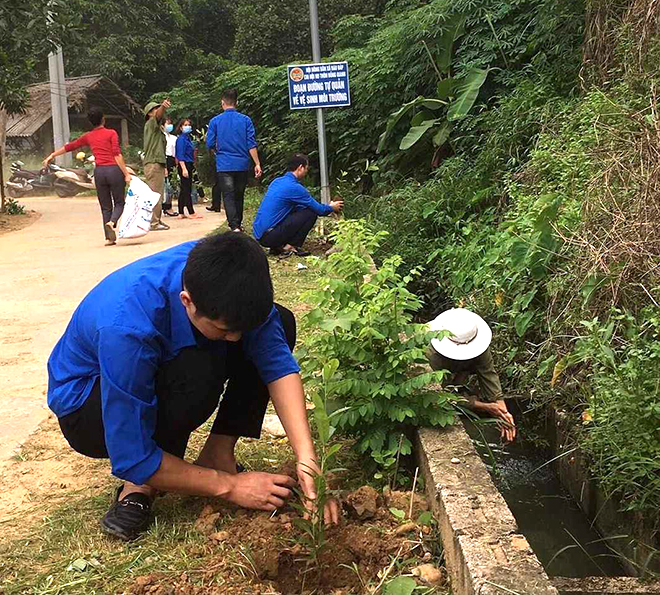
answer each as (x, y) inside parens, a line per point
(155, 162)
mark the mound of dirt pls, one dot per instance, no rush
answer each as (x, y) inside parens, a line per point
(261, 553)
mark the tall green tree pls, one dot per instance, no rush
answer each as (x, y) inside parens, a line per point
(275, 32)
(31, 29)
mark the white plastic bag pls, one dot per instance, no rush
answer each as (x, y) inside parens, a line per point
(140, 201)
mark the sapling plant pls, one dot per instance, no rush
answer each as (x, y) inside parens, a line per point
(362, 317)
(312, 522)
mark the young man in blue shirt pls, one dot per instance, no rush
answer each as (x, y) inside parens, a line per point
(288, 212)
(231, 135)
(144, 362)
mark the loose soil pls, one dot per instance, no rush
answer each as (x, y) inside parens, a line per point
(260, 553)
(10, 223)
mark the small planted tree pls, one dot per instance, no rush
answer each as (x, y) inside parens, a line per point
(363, 318)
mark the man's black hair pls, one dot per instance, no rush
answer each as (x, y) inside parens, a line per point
(230, 96)
(296, 160)
(95, 116)
(228, 279)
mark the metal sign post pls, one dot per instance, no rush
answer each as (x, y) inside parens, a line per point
(320, 118)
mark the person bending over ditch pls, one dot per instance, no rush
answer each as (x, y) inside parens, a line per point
(467, 351)
(143, 363)
(288, 212)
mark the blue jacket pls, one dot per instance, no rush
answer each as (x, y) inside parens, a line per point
(232, 136)
(122, 331)
(285, 194)
(184, 149)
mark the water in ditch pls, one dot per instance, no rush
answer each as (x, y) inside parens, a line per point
(558, 531)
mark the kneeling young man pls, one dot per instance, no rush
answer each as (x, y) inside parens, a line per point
(465, 351)
(144, 362)
(288, 212)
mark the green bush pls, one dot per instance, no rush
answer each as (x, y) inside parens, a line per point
(13, 207)
(362, 317)
(623, 421)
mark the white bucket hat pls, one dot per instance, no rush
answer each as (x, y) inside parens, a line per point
(470, 334)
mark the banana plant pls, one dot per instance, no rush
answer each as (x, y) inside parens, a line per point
(434, 117)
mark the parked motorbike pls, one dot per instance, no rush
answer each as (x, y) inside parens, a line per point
(71, 181)
(64, 181)
(22, 181)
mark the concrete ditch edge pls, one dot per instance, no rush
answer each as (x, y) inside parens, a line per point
(484, 551)
(621, 585)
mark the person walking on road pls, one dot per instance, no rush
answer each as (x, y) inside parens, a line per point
(145, 360)
(288, 212)
(185, 156)
(110, 173)
(231, 135)
(155, 163)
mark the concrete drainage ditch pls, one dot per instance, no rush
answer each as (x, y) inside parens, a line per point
(485, 551)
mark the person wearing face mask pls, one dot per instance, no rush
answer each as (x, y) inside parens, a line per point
(185, 156)
(170, 144)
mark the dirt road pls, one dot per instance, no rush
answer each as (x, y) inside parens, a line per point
(45, 270)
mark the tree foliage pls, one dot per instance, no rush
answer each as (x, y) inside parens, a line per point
(31, 29)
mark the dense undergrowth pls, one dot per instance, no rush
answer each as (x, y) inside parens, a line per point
(540, 211)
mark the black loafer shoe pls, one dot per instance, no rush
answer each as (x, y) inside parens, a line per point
(301, 252)
(275, 251)
(129, 517)
(212, 210)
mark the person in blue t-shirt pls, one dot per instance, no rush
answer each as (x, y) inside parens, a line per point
(231, 136)
(144, 362)
(185, 157)
(288, 212)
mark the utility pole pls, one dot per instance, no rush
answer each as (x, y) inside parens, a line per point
(59, 105)
(320, 118)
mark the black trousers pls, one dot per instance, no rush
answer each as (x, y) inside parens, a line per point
(293, 229)
(185, 193)
(230, 185)
(171, 166)
(188, 389)
(110, 185)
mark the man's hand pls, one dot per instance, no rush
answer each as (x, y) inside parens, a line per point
(306, 472)
(337, 205)
(166, 104)
(257, 171)
(499, 410)
(127, 179)
(263, 491)
(184, 172)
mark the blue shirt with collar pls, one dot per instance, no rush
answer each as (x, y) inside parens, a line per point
(184, 148)
(121, 332)
(232, 136)
(285, 194)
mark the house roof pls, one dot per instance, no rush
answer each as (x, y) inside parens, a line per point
(81, 91)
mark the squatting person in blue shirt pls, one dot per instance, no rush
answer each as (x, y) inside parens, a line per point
(288, 212)
(185, 157)
(231, 135)
(143, 363)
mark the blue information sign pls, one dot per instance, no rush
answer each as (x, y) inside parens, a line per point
(319, 85)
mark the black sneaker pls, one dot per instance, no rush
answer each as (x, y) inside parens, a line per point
(129, 517)
(212, 210)
(301, 252)
(275, 251)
